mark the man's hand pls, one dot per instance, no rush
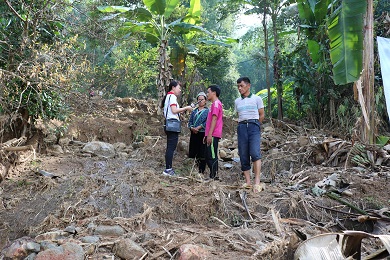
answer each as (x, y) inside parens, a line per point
(209, 140)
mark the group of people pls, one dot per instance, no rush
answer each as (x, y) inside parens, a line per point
(206, 126)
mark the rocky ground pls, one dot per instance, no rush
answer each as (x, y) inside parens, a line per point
(92, 189)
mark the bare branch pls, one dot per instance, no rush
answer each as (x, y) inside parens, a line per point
(14, 11)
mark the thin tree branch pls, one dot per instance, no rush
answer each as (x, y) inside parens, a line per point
(14, 11)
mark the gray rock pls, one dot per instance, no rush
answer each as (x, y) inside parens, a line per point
(55, 149)
(64, 141)
(182, 146)
(68, 251)
(47, 245)
(90, 239)
(70, 229)
(50, 139)
(128, 249)
(89, 249)
(51, 236)
(119, 147)
(34, 247)
(113, 231)
(100, 149)
(17, 250)
(31, 256)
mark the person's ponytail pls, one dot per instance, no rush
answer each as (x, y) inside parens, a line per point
(173, 83)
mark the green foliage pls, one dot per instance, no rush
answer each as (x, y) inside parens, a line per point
(382, 140)
(290, 103)
(250, 59)
(38, 63)
(346, 41)
(134, 72)
(347, 112)
(213, 63)
(41, 85)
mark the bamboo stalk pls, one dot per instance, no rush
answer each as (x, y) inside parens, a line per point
(334, 196)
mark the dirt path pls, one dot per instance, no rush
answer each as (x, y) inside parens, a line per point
(129, 189)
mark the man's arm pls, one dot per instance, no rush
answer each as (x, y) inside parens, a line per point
(212, 127)
(261, 115)
(176, 110)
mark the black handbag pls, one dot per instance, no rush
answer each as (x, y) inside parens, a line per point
(172, 124)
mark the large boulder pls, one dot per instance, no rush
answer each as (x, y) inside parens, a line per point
(100, 149)
(67, 251)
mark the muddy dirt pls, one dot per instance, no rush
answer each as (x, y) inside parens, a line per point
(85, 189)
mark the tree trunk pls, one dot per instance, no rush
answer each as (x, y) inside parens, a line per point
(164, 68)
(179, 69)
(368, 128)
(266, 57)
(279, 87)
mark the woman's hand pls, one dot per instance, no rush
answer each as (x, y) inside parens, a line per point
(195, 130)
(190, 108)
(176, 110)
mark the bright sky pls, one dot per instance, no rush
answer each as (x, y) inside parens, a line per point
(245, 22)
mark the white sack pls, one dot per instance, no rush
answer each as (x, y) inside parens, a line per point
(384, 57)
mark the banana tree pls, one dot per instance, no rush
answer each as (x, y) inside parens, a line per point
(352, 55)
(346, 40)
(345, 26)
(152, 23)
(350, 48)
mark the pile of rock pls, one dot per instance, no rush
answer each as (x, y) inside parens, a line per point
(102, 241)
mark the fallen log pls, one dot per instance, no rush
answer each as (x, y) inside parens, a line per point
(18, 148)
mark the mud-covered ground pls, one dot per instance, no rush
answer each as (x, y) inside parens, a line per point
(163, 212)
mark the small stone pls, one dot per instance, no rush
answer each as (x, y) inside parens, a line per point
(70, 229)
(182, 146)
(89, 249)
(31, 256)
(222, 153)
(64, 141)
(90, 239)
(113, 231)
(269, 129)
(192, 252)
(228, 165)
(128, 249)
(47, 245)
(51, 236)
(55, 149)
(34, 247)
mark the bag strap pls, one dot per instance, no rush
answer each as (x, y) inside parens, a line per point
(166, 112)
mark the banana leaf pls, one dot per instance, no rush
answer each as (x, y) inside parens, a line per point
(345, 30)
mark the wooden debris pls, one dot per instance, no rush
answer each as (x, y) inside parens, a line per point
(243, 195)
(168, 248)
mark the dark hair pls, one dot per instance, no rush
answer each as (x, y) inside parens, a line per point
(173, 83)
(216, 89)
(245, 79)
